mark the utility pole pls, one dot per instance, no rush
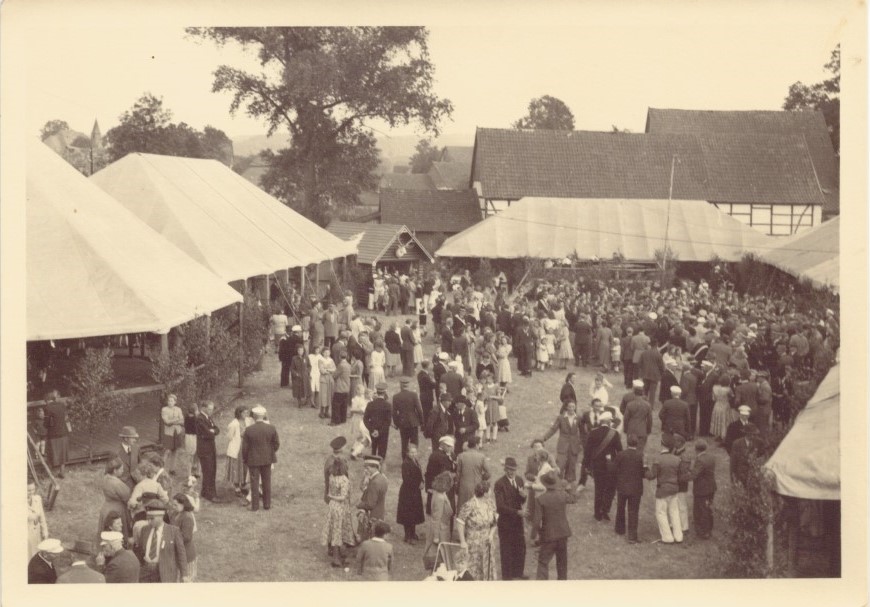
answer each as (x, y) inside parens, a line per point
(668, 220)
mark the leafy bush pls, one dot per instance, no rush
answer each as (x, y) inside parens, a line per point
(93, 401)
(255, 334)
(214, 355)
(172, 369)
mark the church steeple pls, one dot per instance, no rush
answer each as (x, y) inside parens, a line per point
(96, 136)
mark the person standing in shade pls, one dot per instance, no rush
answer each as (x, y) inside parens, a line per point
(427, 388)
(299, 376)
(161, 549)
(57, 429)
(441, 460)
(650, 369)
(409, 512)
(637, 418)
(441, 420)
(407, 415)
(120, 566)
(510, 495)
(689, 382)
(259, 446)
(371, 507)
(601, 449)
(666, 472)
(129, 455)
(40, 568)
(377, 420)
(683, 478)
(206, 431)
(629, 472)
(407, 353)
(552, 526)
(341, 394)
(675, 417)
(285, 355)
(703, 490)
(471, 470)
(375, 555)
(190, 416)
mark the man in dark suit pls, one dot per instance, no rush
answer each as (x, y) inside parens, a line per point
(407, 349)
(465, 422)
(259, 446)
(552, 525)
(703, 490)
(675, 417)
(79, 572)
(510, 495)
(568, 394)
(427, 387)
(689, 381)
(439, 367)
(206, 431)
(161, 549)
(650, 369)
(40, 569)
(441, 460)
(629, 488)
(746, 392)
(285, 355)
(129, 455)
(737, 429)
(453, 380)
(601, 448)
(742, 451)
(524, 347)
(121, 566)
(441, 420)
(705, 396)
(407, 415)
(377, 419)
(582, 341)
(56, 433)
(637, 419)
(372, 502)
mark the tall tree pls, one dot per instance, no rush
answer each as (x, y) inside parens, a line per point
(547, 113)
(823, 96)
(425, 154)
(51, 127)
(324, 85)
(147, 127)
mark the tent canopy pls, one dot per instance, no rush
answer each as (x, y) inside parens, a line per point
(807, 462)
(94, 269)
(813, 255)
(216, 216)
(553, 228)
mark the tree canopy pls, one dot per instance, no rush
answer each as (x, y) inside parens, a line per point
(325, 85)
(51, 127)
(424, 155)
(147, 127)
(823, 96)
(547, 113)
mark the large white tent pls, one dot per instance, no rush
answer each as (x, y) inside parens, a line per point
(807, 462)
(813, 255)
(94, 269)
(553, 228)
(216, 216)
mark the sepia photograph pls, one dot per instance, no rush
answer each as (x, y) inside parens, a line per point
(405, 293)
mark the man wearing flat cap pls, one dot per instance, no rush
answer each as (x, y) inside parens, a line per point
(120, 566)
(407, 415)
(40, 569)
(371, 505)
(440, 421)
(441, 460)
(675, 417)
(552, 524)
(377, 419)
(510, 495)
(161, 548)
(259, 446)
(598, 458)
(737, 429)
(128, 453)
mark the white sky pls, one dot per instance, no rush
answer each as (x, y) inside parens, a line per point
(608, 64)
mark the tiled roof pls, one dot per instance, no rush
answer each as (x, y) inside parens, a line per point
(810, 124)
(447, 211)
(378, 241)
(406, 181)
(512, 164)
(450, 175)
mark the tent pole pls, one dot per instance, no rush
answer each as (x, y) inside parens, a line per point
(317, 281)
(208, 333)
(164, 343)
(241, 342)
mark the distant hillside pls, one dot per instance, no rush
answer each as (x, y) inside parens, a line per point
(395, 150)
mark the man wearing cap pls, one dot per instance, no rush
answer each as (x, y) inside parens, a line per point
(637, 418)
(510, 495)
(407, 415)
(601, 448)
(737, 429)
(441, 460)
(675, 417)
(465, 421)
(453, 380)
(650, 369)
(703, 474)
(286, 351)
(706, 401)
(40, 569)
(78, 571)
(259, 446)
(120, 566)
(206, 452)
(440, 421)
(552, 525)
(161, 548)
(372, 502)
(129, 455)
(666, 472)
(337, 445)
(376, 419)
(341, 393)
(629, 473)
(689, 381)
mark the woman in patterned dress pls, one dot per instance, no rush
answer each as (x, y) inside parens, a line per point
(338, 529)
(474, 525)
(722, 414)
(503, 370)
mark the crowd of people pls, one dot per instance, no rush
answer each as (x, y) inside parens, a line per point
(716, 367)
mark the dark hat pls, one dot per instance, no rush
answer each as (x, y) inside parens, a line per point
(510, 463)
(155, 508)
(381, 387)
(550, 479)
(81, 548)
(374, 460)
(128, 432)
(337, 443)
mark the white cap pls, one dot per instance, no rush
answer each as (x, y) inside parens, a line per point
(296, 328)
(259, 410)
(443, 356)
(605, 417)
(638, 383)
(676, 390)
(50, 545)
(111, 536)
(744, 410)
(447, 440)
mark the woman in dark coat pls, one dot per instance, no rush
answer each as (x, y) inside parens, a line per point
(299, 375)
(409, 513)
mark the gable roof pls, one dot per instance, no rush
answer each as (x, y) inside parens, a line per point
(719, 167)
(374, 241)
(450, 175)
(808, 124)
(447, 211)
(406, 181)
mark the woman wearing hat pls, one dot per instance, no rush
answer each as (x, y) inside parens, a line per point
(338, 530)
(116, 494)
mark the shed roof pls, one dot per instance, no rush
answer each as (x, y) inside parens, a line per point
(447, 211)
(374, 241)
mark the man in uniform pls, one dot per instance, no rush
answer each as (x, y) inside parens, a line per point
(259, 446)
(377, 419)
(371, 505)
(407, 415)
(510, 495)
(121, 566)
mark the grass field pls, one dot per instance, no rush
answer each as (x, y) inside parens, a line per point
(283, 544)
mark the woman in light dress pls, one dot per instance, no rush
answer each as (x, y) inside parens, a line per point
(418, 342)
(37, 527)
(235, 467)
(376, 370)
(564, 351)
(327, 380)
(722, 414)
(503, 368)
(358, 405)
(314, 366)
